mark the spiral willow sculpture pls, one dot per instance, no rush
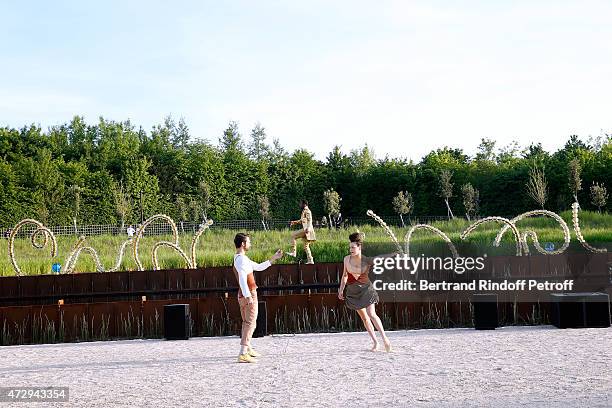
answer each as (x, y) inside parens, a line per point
(433, 229)
(532, 234)
(503, 220)
(194, 242)
(174, 245)
(78, 248)
(581, 239)
(40, 229)
(388, 230)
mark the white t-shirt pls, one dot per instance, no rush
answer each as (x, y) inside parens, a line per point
(131, 231)
(244, 266)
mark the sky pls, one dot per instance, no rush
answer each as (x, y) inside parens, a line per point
(405, 77)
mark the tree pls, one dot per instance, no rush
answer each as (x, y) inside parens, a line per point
(403, 204)
(599, 196)
(446, 190)
(123, 204)
(231, 141)
(258, 147)
(537, 186)
(486, 150)
(75, 190)
(470, 199)
(574, 177)
(263, 205)
(204, 196)
(331, 204)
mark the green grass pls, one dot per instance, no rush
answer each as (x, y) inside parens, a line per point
(215, 247)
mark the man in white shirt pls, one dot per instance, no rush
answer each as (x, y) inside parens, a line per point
(247, 293)
(130, 232)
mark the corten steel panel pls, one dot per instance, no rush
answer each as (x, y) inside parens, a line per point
(9, 286)
(308, 273)
(526, 312)
(558, 265)
(194, 278)
(81, 282)
(268, 277)
(45, 323)
(74, 320)
(46, 285)
(153, 317)
(233, 312)
(328, 273)
(319, 300)
(459, 314)
(286, 312)
(519, 266)
(500, 266)
(218, 277)
(119, 281)
(63, 284)
(16, 324)
(100, 282)
(408, 314)
(28, 285)
(289, 274)
(538, 265)
(127, 315)
(138, 280)
(44, 315)
(211, 318)
(387, 313)
(175, 279)
(156, 280)
(102, 321)
(578, 264)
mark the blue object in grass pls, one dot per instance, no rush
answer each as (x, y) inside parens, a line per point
(56, 267)
(549, 246)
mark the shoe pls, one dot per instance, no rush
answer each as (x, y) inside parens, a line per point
(251, 352)
(309, 263)
(293, 254)
(246, 358)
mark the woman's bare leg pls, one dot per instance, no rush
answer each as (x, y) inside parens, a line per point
(368, 325)
(371, 312)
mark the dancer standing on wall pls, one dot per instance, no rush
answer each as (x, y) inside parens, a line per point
(247, 293)
(306, 232)
(360, 293)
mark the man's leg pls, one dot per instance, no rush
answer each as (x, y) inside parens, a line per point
(309, 259)
(246, 312)
(252, 311)
(294, 237)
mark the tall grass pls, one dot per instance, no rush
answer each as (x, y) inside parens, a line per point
(215, 247)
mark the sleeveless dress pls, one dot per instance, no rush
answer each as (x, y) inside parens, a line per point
(360, 292)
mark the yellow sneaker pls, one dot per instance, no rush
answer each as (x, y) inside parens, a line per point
(251, 352)
(246, 358)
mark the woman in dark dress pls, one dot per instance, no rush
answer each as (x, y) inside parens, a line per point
(360, 293)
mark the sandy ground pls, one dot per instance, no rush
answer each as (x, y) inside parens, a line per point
(513, 366)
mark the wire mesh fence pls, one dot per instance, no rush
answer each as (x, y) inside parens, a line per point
(190, 227)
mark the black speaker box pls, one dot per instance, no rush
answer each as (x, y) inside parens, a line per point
(177, 322)
(579, 310)
(485, 312)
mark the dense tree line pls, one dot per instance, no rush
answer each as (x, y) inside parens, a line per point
(113, 172)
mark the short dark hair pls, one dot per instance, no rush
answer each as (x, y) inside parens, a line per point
(357, 238)
(240, 238)
(304, 202)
